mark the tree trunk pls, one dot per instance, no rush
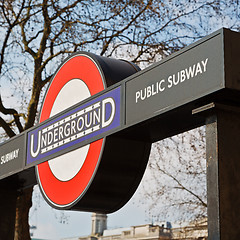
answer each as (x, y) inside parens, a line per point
(23, 205)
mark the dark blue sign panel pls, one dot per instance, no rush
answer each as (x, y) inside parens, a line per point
(97, 116)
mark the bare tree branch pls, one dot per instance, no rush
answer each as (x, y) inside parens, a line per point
(6, 128)
(14, 113)
(39, 34)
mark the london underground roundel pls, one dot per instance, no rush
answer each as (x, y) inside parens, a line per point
(81, 178)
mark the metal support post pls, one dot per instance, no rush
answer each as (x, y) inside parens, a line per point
(7, 210)
(223, 173)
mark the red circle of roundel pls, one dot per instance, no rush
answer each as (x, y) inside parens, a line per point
(59, 193)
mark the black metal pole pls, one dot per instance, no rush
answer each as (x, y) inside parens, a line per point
(223, 173)
(8, 199)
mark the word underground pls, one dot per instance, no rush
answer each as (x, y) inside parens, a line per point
(9, 156)
(73, 127)
(172, 80)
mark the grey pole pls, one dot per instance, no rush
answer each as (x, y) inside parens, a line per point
(223, 173)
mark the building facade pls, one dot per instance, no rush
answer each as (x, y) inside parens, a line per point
(163, 231)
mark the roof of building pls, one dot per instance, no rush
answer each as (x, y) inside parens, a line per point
(38, 239)
(116, 231)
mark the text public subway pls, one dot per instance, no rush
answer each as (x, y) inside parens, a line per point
(172, 80)
(75, 126)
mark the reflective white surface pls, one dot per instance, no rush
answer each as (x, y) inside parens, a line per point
(66, 166)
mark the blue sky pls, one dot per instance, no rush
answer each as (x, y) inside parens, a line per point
(47, 220)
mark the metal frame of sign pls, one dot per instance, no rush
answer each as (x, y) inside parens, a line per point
(166, 113)
(195, 86)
